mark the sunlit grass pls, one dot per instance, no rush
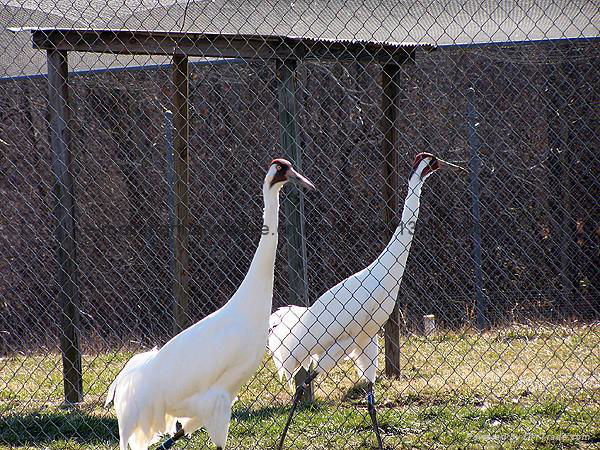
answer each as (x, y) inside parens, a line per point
(520, 387)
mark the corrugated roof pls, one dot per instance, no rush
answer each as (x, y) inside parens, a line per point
(438, 22)
(19, 58)
(450, 22)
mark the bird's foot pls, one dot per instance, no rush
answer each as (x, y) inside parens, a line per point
(171, 441)
(299, 392)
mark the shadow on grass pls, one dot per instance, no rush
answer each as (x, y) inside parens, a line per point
(48, 427)
(357, 392)
(268, 412)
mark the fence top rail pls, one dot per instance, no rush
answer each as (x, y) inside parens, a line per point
(251, 46)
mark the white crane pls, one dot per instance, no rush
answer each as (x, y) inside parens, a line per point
(193, 380)
(344, 321)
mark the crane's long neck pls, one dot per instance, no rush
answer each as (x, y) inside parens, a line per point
(255, 294)
(390, 264)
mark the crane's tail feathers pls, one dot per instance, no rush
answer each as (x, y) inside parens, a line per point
(287, 315)
(141, 414)
(110, 396)
(285, 344)
(135, 362)
(141, 441)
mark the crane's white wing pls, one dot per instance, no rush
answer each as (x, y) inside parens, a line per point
(356, 306)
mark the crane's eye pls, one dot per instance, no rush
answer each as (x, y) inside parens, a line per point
(279, 167)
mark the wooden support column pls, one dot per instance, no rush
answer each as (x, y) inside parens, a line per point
(68, 280)
(294, 200)
(389, 105)
(181, 191)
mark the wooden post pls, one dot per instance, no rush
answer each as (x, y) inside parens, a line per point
(428, 324)
(294, 201)
(474, 168)
(68, 280)
(181, 200)
(389, 106)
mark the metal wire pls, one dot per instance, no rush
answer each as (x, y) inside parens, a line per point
(534, 115)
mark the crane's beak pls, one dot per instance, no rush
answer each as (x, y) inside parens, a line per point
(451, 165)
(296, 178)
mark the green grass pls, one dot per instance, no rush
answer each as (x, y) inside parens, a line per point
(520, 387)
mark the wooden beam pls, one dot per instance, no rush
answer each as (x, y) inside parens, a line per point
(389, 105)
(68, 280)
(247, 46)
(294, 200)
(151, 43)
(182, 186)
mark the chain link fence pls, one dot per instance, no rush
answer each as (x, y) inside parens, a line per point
(504, 262)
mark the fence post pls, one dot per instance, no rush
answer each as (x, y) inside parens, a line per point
(474, 168)
(294, 200)
(560, 163)
(428, 324)
(181, 191)
(60, 139)
(170, 174)
(389, 106)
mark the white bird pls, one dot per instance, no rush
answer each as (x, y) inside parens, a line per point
(344, 321)
(193, 380)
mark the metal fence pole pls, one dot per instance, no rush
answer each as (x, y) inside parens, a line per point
(474, 168)
(69, 294)
(560, 164)
(294, 201)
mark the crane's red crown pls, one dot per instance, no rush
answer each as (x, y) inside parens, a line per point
(285, 172)
(282, 162)
(431, 167)
(283, 165)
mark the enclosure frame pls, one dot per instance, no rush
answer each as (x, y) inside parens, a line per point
(286, 52)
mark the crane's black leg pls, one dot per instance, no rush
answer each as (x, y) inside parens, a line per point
(299, 391)
(171, 441)
(373, 414)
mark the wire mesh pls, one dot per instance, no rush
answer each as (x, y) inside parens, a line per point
(510, 94)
